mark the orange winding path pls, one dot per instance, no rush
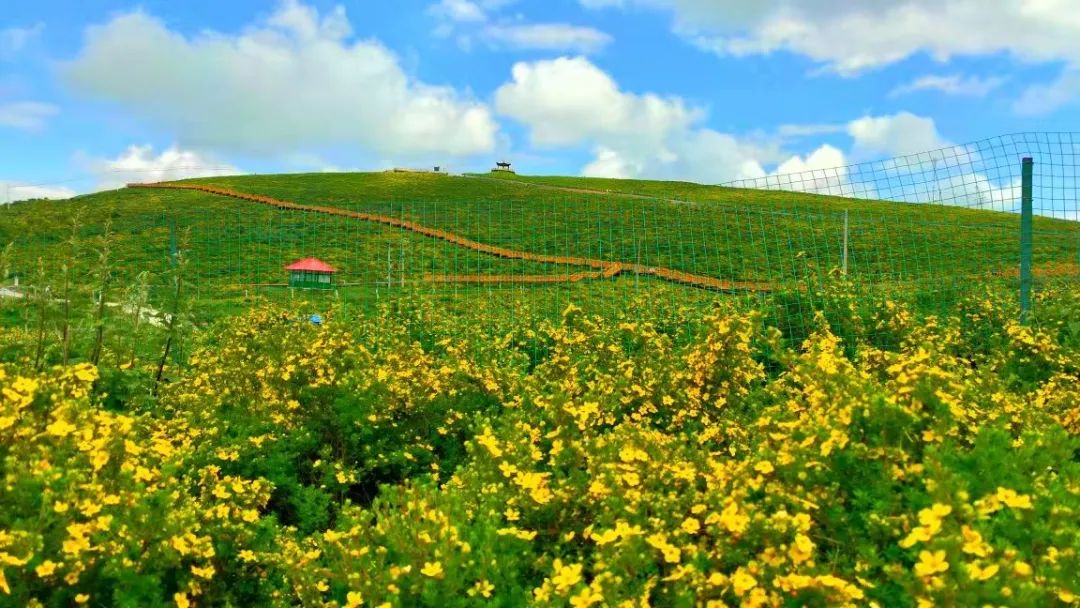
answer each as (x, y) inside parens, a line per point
(604, 269)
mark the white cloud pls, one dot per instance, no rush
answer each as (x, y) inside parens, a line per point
(1045, 98)
(461, 11)
(850, 37)
(608, 163)
(14, 39)
(140, 164)
(976, 190)
(955, 84)
(823, 171)
(466, 20)
(825, 157)
(547, 37)
(293, 81)
(15, 191)
(896, 135)
(568, 102)
(26, 115)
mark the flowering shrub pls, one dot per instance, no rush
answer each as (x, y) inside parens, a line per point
(920, 461)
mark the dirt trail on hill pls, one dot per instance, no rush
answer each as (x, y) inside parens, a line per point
(604, 269)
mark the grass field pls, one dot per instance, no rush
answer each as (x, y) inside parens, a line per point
(176, 430)
(236, 249)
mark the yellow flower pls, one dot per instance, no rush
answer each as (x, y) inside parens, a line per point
(86, 373)
(353, 599)
(936, 511)
(517, 533)
(978, 573)
(181, 600)
(60, 428)
(432, 569)
(672, 554)
(605, 537)
(482, 588)
(565, 576)
(764, 467)
(585, 598)
(76, 545)
(802, 549)
(250, 515)
(690, 525)
(1022, 569)
(489, 442)
(742, 581)
(917, 535)
(1012, 499)
(973, 542)
(931, 563)
(82, 598)
(45, 568)
(206, 572)
(717, 579)
(732, 520)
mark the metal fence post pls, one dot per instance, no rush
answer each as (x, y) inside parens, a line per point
(172, 242)
(1025, 240)
(845, 242)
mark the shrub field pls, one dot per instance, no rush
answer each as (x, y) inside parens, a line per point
(404, 459)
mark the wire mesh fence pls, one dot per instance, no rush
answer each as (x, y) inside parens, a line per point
(926, 229)
(981, 175)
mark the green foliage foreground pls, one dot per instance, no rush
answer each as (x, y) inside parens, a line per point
(918, 461)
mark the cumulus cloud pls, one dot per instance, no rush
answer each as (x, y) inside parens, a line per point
(954, 84)
(568, 102)
(849, 37)
(1045, 98)
(895, 135)
(138, 163)
(296, 79)
(822, 171)
(26, 115)
(15, 191)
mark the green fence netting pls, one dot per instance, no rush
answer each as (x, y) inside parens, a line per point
(927, 230)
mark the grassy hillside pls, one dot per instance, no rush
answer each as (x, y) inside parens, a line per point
(236, 247)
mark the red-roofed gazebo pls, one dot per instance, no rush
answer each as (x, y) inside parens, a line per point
(311, 273)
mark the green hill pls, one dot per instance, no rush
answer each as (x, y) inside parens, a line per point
(235, 248)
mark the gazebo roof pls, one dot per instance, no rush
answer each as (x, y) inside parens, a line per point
(311, 265)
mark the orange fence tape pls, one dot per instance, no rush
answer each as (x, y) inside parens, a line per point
(607, 270)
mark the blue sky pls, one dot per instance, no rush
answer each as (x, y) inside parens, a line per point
(98, 92)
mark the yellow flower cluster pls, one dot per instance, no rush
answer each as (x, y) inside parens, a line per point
(889, 460)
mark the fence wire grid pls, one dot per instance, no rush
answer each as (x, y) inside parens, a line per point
(926, 229)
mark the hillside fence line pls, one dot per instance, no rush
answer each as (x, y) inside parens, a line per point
(927, 228)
